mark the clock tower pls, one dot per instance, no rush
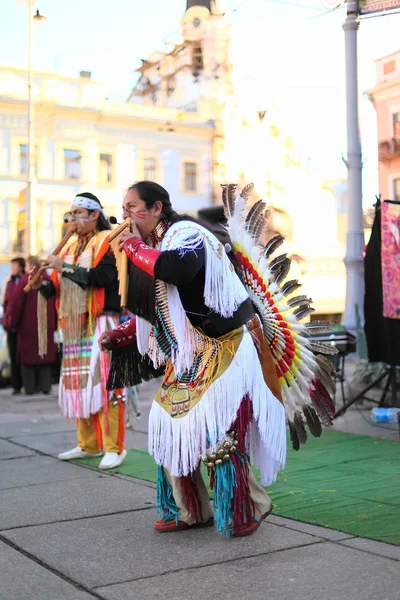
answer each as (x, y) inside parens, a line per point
(207, 31)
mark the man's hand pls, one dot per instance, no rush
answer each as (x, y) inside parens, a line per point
(126, 235)
(55, 262)
(105, 342)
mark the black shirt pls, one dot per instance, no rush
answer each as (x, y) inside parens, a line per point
(187, 273)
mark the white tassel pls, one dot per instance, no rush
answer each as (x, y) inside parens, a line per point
(92, 396)
(143, 329)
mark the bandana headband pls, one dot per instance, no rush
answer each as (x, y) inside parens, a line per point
(88, 203)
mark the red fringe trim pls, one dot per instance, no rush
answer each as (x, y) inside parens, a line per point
(191, 495)
(242, 424)
(121, 423)
(243, 505)
(99, 434)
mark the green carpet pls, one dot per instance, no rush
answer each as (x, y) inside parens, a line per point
(342, 481)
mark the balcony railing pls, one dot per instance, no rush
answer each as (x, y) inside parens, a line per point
(389, 150)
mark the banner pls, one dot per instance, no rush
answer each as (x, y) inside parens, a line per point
(390, 259)
(368, 7)
(21, 222)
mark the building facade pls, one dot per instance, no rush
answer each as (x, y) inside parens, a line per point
(250, 144)
(189, 125)
(385, 97)
(85, 143)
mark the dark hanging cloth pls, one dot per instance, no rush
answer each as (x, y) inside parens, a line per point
(383, 334)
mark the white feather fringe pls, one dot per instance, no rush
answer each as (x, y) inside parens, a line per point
(178, 444)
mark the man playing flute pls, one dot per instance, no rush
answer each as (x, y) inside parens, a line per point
(85, 283)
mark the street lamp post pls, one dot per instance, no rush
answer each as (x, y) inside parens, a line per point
(355, 232)
(31, 216)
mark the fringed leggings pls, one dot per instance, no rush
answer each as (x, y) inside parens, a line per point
(201, 511)
(238, 498)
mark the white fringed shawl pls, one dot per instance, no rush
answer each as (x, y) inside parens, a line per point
(223, 293)
(177, 444)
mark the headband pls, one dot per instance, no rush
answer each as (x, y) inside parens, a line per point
(88, 203)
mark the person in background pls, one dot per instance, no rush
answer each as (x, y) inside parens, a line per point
(17, 271)
(34, 321)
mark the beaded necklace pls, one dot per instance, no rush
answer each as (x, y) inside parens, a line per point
(157, 234)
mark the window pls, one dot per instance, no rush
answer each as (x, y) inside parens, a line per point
(197, 61)
(23, 159)
(106, 175)
(190, 169)
(72, 165)
(149, 169)
(396, 189)
(396, 125)
(389, 67)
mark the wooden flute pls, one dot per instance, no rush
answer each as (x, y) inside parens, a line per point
(45, 266)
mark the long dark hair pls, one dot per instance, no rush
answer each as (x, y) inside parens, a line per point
(102, 222)
(151, 192)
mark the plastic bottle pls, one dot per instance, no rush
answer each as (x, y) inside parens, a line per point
(384, 415)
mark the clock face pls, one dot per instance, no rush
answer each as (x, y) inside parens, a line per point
(196, 22)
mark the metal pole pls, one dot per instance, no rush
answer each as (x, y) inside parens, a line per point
(30, 234)
(355, 233)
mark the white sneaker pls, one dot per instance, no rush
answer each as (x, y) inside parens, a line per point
(112, 459)
(77, 453)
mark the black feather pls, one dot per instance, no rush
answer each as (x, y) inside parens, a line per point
(319, 404)
(294, 437)
(255, 220)
(313, 421)
(322, 348)
(303, 311)
(325, 364)
(232, 187)
(298, 301)
(277, 261)
(298, 424)
(314, 324)
(290, 286)
(260, 226)
(284, 269)
(247, 191)
(273, 245)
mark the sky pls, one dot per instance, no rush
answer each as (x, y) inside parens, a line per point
(286, 52)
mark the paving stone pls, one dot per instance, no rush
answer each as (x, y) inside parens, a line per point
(24, 579)
(375, 547)
(127, 547)
(52, 444)
(35, 426)
(318, 571)
(34, 470)
(322, 532)
(97, 494)
(136, 439)
(357, 421)
(9, 450)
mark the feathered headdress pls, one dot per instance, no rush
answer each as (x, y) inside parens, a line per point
(304, 373)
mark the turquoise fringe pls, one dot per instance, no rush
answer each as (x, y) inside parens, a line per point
(166, 504)
(224, 484)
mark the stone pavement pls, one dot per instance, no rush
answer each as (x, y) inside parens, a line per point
(68, 532)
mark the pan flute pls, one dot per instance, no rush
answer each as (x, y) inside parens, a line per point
(121, 261)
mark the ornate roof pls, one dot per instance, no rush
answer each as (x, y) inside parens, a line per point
(206, 3)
